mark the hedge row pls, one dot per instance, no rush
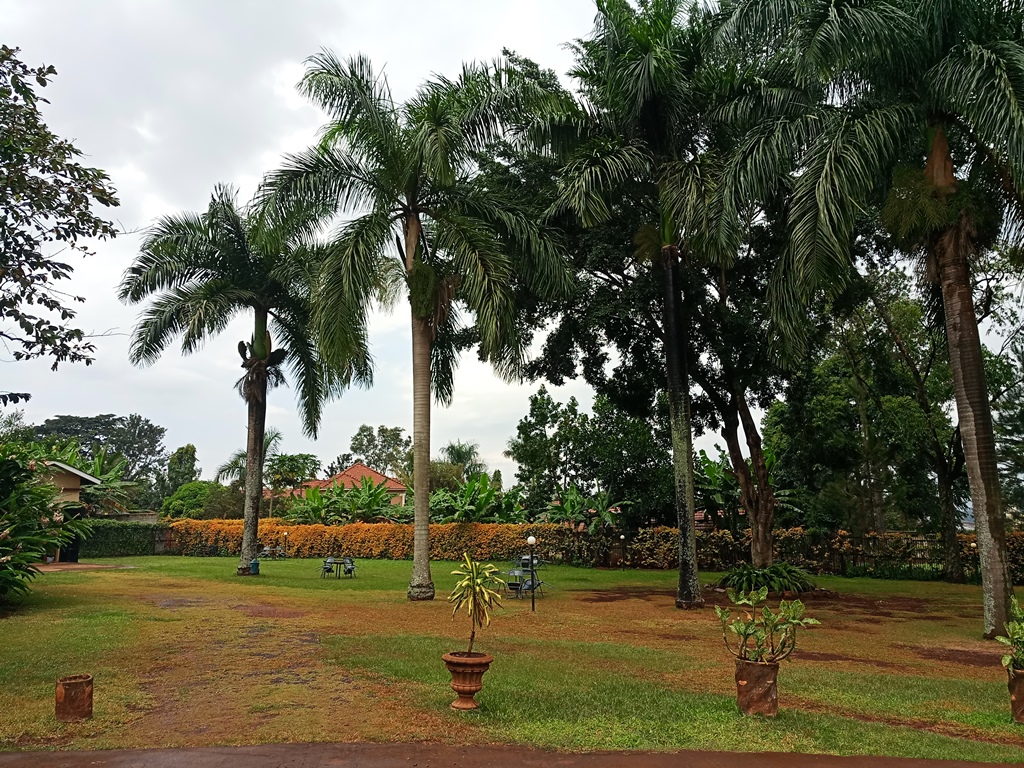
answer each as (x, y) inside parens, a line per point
(391, 541)
(122, 538)
(886, 555)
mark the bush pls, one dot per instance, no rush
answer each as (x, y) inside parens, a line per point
(118, 538)
(483, 541)
(33, 524)
(777, 577)
(188, 501)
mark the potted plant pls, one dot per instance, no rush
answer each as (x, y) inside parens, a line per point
(477, 592)
(1014, 660)
(759, 640)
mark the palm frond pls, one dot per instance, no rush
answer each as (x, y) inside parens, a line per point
(175, 251)
(594, 176)
(984, 83)
(854, 152)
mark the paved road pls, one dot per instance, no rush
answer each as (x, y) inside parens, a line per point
(436, 756)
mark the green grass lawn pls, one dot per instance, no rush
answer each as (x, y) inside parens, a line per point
(186, 653)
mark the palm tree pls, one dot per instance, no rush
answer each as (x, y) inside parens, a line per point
(203, 270)
(466, 455)
(921, 115)
(233, 470)
(421, 226)
(645, 79)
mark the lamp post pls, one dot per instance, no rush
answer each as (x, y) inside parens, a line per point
(533, 575)
(286, 543)
(622, 561)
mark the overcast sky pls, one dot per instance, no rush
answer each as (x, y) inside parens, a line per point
(171, 97)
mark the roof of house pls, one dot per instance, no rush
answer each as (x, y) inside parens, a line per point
(353, 476)
(73, 471)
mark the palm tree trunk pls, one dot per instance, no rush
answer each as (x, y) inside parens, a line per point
(975, 420)
(257, 402)
(949, 252)
(421, 587)
(688, 594)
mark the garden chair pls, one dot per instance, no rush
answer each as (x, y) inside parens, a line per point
(348, 566)
(328, 568)
(514, 583)
(264, 554)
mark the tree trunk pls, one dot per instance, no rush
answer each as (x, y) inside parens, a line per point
(257, 405)
(764, 498)
(975, 421)
(950, 521)
(949, 252)
(688, 594)
(421, 587)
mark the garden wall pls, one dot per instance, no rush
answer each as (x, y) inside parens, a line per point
(891, 555)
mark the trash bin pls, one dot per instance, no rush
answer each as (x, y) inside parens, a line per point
(254, 567)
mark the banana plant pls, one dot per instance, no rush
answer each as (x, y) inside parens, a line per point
(366, 502)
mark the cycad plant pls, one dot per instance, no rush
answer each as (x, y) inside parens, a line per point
(419, 225)
(201, 271)
(914, 108)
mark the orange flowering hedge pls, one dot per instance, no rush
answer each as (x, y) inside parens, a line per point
(483, 541)
(888, 554)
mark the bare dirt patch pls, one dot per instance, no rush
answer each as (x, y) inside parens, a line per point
(963, 656)
(618, 594)
(60, 567)
(270, 612)
(839, 658)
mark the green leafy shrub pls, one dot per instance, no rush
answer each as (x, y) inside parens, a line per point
(33, 524)
(1014, 638)
(188, 501)
(121, 538)
(764, 636)
(778, 577)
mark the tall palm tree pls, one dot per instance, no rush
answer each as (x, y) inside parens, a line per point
(921, 115)
(421, 226)
(645, 84)
(201, 270)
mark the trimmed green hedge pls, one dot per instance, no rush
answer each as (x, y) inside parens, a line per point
(122, 538)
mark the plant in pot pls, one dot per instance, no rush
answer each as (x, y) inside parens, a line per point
(760, 639)
(1014, 660)
(477, 592)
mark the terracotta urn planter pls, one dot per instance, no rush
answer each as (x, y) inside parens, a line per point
(467, 676)
(74, 698)
(757, 690)
(1016, 686)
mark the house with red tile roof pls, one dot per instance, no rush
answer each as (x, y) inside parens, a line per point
(353, 478)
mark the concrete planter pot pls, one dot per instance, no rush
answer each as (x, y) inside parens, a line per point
(757, 691)
(467, 676)
(74, 698)
(1016, 686)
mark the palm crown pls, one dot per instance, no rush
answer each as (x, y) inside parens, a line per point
(203, 270)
